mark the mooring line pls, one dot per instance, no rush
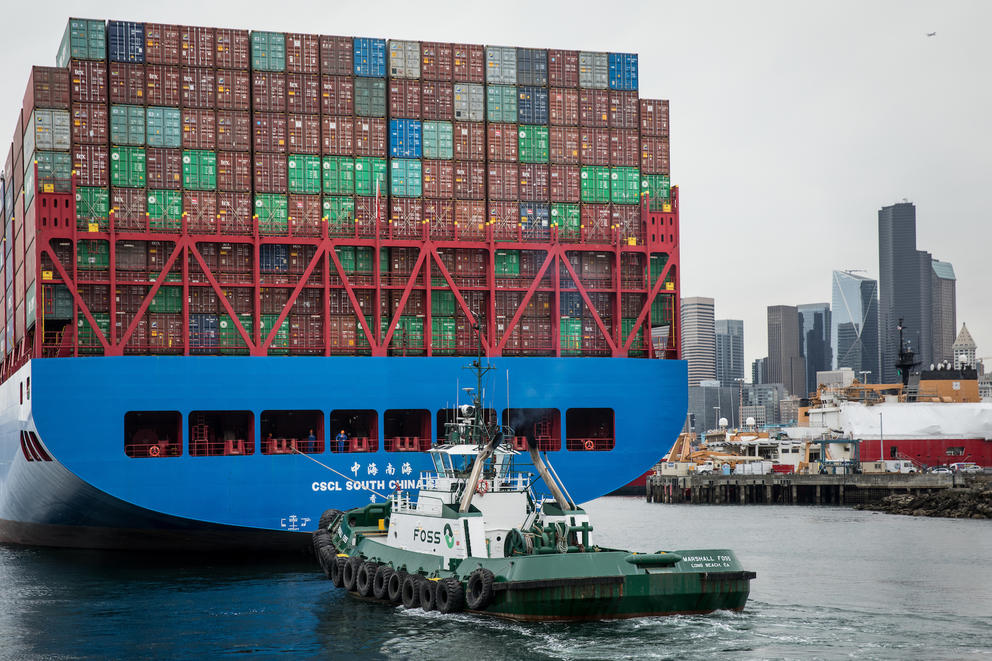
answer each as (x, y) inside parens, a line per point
(350, 479)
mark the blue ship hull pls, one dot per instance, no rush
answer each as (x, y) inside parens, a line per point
(84, 491)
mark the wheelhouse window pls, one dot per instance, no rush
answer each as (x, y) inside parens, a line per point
(289, 432)
(407, 430)
(221, 433)
(540, 428)
(589, 429)
(447, 416)
(354, 430)
(153, 434)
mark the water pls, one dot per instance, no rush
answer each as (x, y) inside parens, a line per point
(832, 583)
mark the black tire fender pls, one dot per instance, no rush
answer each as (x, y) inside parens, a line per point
(380, 582)
(365, 578)
(337, 571)
(326, 518)
(450, 596)
(349, 576)
(327, 557)
(394, 589)
(411, 591)
(428, 595)
(479, 591)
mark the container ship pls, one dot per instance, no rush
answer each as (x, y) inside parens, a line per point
(241, 271)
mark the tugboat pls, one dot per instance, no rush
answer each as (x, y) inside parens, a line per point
(479, 538)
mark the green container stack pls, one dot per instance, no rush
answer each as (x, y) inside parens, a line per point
(625, 186)
(567, 218)
(199, 169)
(163, 127)
(657, 186)
(304, 174)
(339, 176)
(405, 177)
(92, 206)
(165, 210)
(408, 336)
(127, 125)
(346, 255)
(168, 300)
(656, 264)
(268, 51)
(442, 303)
(443, 332)
(368, 171)
(280, 343)
(231, 341)
(272, 212)
(84, 39)
(339, 212)
(532, 144)
(88, 342)
(364, 259)
(92, 254)
(571, 336)
(508, 262)
(127, 167)
(637, 346)
(595, 184)
(58, 302)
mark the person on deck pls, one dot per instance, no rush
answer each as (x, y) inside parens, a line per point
(311, 442)
(342, 440)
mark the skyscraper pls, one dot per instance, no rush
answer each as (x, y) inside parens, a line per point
(759, 370)
(785, 364)
(699, 338)
(814, 340)
(854, 324)
(729, 351)
(901, 292)
(943, 310)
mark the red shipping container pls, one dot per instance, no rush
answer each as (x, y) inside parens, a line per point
(336, 56)
(162, 43)
(370, 136)
(88, 81)
(596, 221)
(234, 171)
(197, 87)
(623, 110)
(337, 95)
(270, 133)
(625, 148)
(502, 141)
(164, 168)
(199, 129)
(563, 68)
(564, 144)
(468, 63)
(233, 89)
(268, 91)
(366, 210)
(654, 117)
(565, 183)
(504, 220)
(440, 218)
(306, 333)
(235, 213)
(303, 134)
(469, 141)
(200, 210)
(270, 173)
(470, 218)
(233, 130)
(162, 85)
(129, 298)
(127, 83)
(438, 179)
(305, 215)
(404, 98)
(594, 108)
(196, 46)
(204, 300)
(302, 53)
(436, 61)
(563, 107)
(236, 258)
(534, 182)
(654, 155)
(406, 218)
(338, 135)
(303, 93)
(232, 49)
(470, 180)
(627, 219)
(48, 87)
(437, 101)
(128, 208)
(91, 164)
(503, 181)
(594, 146)
(89, 123)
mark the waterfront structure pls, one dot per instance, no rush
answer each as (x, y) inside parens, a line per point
(785, 363)
(729, 351)
(943, 310)
(854, 325)
(759, 370)
(699, 338)
(814, 340)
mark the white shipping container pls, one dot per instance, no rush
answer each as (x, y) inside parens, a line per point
(594, 70)
(47, 130)
(501, 64)
(404, 59)
(470, 102)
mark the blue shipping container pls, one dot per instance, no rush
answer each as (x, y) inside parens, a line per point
(535, 216)
(370, 57)
(532, 66)
(571, 304)
(532, 105)
(126, 41)
(405, 138)
(273, 258)
(623, 71)
(203, 331)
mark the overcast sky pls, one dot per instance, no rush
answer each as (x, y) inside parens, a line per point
(792, 122)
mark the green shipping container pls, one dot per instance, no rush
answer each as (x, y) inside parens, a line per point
(84, 39)
(443, 335)
(625, 186)
(364, 259)
(405, 177)
(272, 212)
(346, 255)
(438, 140)
(501, 103)
(339, 176)
(92, 254)
(368, 171)
(268, 51)
(199, 169)
(163, 127)
(304, 174)
(657, 263)
(508, 262)
(661, 310)
(532, 144)
(595, 181)
(127, 167)
(370, 97)
(567, 218)
(88, 342)
(58, 302)
(408, 335)
(339, 212)
(231, 341)
(127, 125)
(92, 206)
(637, 346)
(165, 210)
(54, 172)
(280, 343)
(442, 302)
(571, 336)
(384, 261)
(168, 300)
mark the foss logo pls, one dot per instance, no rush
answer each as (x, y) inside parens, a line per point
(435, 536)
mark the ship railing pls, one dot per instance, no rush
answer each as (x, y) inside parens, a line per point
(430, 505)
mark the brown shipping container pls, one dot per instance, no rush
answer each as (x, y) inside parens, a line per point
(625, 148)
(440, 218)
(91, 164)
(502, 141)
(18, 142)
(200, 210)
(234, 171)
(469, 141)
(127, 83)
(623, 110)
(161, 43)
(89, 123)
(268, 91)
(504, 219)
(436, 61)
(470, 180)
(303, 93)
(270, 173)
(232, 49)
(269, 133)
(563, 107)
(594, 146)
(654, 155)
(197, 46)
(242, 299)
(468, 63)
(563, 68)
(370, 136)
(337, 95)
(404, 98)
(406, 218)
(437, 101)
(303, 134)
(564, 144)
(235, 212)
(233, 89)
(199, 129)
(48, 87)
(302, 53)
(503, 181)
(204, 300)
(304, 218)
(470, 218)
(128, 207)
(88, 81)
(164, 168)
(565, 183)
(162, 85)
(534, 182)
(198, 87)
(233, 130)
(596, 220)
(594, 108)
(336, 56)
(338, 135)
(438, 179)
(654, 117)
(627, 219)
